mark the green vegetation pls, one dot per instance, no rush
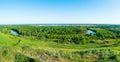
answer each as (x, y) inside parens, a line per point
(60, 43)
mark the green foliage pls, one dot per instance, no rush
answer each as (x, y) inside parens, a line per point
(105, 34)
(22, 58)
(66, 34)
(60, 43)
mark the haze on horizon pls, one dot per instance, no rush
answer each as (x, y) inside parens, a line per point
(59, 11)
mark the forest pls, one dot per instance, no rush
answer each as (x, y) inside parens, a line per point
(60, 43)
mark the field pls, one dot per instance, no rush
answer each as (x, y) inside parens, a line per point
(60, 43)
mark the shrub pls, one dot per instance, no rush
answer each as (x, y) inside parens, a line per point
(22, 58)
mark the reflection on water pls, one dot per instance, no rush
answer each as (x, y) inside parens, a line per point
(91, 32)
(14, 32)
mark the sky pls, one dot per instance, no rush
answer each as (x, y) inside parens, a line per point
(59, 11)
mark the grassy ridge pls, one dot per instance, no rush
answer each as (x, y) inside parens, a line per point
(33, 50)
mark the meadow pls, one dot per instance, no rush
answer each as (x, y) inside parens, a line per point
(60, 43)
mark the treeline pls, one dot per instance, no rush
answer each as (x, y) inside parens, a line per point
(65, 34)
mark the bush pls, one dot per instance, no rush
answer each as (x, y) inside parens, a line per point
(22, 58)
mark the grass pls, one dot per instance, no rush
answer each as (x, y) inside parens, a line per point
(41, 50)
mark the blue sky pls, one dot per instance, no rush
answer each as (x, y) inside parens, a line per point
(59, 11)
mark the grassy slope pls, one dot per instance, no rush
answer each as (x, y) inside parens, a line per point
(28, 47)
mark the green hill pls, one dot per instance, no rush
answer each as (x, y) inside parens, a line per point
(29, 50)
